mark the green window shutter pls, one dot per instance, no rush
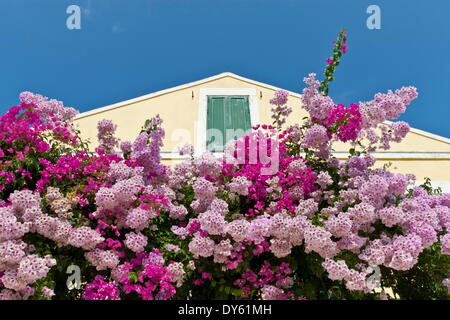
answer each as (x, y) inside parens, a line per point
(215, 120)
(239, 116)
(230, 115)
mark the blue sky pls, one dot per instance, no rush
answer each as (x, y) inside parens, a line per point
(129, 48)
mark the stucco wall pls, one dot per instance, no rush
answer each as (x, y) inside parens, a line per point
(436, 170)
(180, 111)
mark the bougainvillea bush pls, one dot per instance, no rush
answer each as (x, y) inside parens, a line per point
(303, 225)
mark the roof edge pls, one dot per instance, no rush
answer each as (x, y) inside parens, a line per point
(177, 88)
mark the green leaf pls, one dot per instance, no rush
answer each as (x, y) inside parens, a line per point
(133, 277)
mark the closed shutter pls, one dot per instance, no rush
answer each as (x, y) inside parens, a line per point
(215, 123)
(239, 116)
(228, 118)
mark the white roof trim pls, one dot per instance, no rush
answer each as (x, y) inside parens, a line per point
(180, 87)
(216, 77)
(444, 185)
(390, 155)
(386, 155)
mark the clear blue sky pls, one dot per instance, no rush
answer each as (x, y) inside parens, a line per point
(129, 48)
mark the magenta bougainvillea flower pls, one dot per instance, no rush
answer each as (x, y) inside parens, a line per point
(276, 217)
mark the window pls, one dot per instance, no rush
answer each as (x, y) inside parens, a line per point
(206, 98)
(228, 118)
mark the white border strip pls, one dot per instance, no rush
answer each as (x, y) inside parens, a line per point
(402, 155)
(168, 155)
(444, 185)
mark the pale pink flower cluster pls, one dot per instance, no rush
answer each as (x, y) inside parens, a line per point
(48, 108)
(30, 269)
(338, 270)
(240, 185)
(106, 139)
(19, 265)
(58, 203)
(313, 101)
(119, 171)
(84, 237)
(388, 105)
(324, 179)
(207, 164)
(120, 272)
(280, 247)
(7, 294)
(102, 259)
(391, 216)
(11, 252)
(307, 207)
(10, 226)
(445, 243)
(177, 212)
(319, 240)
(238, 229)
(126, 147)
(47, 291)
(281, 111)
(177, 273)
(270, 292)
(201, 246)
(212, 222)
(204, 190)
(259, 229)
(446, 282)
(55, 116)
(316, 137)
(121, 194)
(222, 251)
(172, 247)
(373, 116)
(340, 225)
(155, 257)
(138, 218)
(136, 242)
(186, 149)
(147, 147)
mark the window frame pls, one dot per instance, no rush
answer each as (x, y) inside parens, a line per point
(201, 123)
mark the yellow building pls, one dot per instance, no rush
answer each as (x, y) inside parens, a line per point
(184, 111)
